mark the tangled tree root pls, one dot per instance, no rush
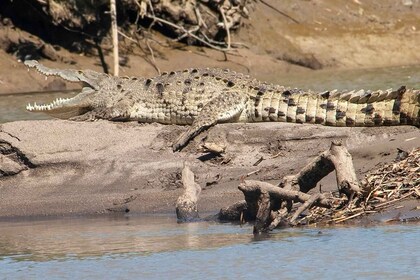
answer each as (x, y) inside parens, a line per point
(270, 206)
(194, 22)
(206, 22)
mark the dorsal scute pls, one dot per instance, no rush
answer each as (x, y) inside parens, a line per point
(354, 98)
(365, 97)
(335, 94)
(395, 94)
(346, 95)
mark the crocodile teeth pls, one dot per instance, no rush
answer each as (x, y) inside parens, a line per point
(45, 107)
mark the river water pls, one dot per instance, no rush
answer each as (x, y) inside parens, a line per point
(156, 247)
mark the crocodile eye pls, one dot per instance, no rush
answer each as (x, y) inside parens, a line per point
(148, 82)
(80, 72)
(160, 88)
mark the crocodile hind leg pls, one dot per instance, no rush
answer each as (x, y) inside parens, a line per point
(222, 108)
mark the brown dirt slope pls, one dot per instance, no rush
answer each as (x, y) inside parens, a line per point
(329, 34)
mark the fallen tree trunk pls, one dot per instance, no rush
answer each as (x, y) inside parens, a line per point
(252, 188)
(336, 157)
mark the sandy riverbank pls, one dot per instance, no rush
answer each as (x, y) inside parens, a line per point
(70, 169)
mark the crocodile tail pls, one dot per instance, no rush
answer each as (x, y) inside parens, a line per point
(389, 107)
(350, 108)
(410, 108)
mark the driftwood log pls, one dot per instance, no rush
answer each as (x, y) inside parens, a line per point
(264, 200)
(269, 205)
(336, 157)
(186, 205)
(234, 212)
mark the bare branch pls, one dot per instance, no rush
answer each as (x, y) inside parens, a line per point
(114, 30)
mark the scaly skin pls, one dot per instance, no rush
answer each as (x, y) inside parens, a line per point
(203, 97)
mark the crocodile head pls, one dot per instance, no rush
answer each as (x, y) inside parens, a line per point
(65, 108)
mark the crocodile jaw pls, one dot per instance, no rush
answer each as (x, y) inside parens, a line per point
(64, 108)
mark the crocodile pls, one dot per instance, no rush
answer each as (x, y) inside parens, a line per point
(202, 98)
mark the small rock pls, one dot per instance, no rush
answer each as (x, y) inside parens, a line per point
(10, 167)
(401, 155)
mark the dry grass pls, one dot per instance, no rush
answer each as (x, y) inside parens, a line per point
(382, 188)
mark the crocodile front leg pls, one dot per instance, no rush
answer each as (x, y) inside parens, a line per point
(222, 108)
(95, 114)
(119, 112)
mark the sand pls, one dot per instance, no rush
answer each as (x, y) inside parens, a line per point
(76, 169)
